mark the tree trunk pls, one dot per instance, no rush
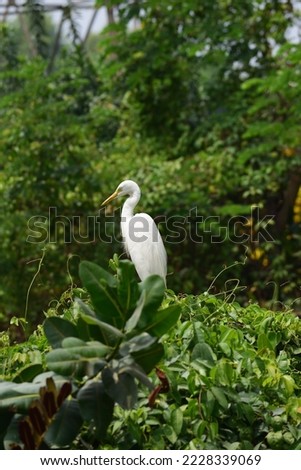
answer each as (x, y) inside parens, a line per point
(289, 198)
(110, 14)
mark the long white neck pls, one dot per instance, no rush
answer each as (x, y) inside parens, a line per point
(129, 206)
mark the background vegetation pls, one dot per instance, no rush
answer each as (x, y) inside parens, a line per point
(199, 102)
(225, 377)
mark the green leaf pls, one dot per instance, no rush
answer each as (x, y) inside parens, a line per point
(223, 372)
(78, 358)
(220, 397)
(203, 352)
(27, 373)
(121, 387)
(103, 291)
(18, 397)
(65, 426)
(208, 404)
(96, 406)
(170, 433)
(136, 371)
(127, 286)
(89, 316)
(263, 342)
(225, 348)
(156, 440)
(154, 288)
(159, 322)
(76, 343)
(89, 331)
(133, 320)
(87, 269)
(110, 330)
(12, 436)
(137, 343)
(148, 358)
(56, 329)
(288, 383)
(248, 412)
(176, 420)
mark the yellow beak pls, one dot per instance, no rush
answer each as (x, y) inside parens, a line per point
(110, 198)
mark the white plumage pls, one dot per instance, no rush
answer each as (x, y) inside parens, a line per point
(141, 236)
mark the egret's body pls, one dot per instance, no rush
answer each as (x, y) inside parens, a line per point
(141, 236)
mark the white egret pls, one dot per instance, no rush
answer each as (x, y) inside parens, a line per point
(141, 237)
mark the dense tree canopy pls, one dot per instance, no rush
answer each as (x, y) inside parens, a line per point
(196, 101)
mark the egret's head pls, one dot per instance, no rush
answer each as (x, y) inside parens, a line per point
(126, 188)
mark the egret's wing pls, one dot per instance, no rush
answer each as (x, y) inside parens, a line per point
(145, 246)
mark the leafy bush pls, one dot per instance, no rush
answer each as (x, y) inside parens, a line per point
(94, 363)
(195, 105)
(120, 370)
(234, 376)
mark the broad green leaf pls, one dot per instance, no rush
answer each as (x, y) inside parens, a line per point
(56, 329)
(288, 384)
(156, 440)
(77, 358)
(154, 288)
(65, 426)
(159, 322)
(136, 371)
(88, 332)
(137, 343)
(170, 433)
(121, 387)
(88, 269)
(223, 372)
(96, 406)
(18, 396)
(220, 397)
(75, 343)
(110, 332)
(105, 327)
(208, 404)
(274, 338)
(263, 342)
(103, 291)
(225, 348)
(248, 412)
(11, 436)
(203, 352)
(176, 420)
(127, 286)
(213, 429)
(133, 320)
(27, 373)
(148, 358)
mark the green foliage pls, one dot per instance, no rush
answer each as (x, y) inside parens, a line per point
(227, 377)
(234, 376)
(102, 352)
(199, 104)
(45, 153)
